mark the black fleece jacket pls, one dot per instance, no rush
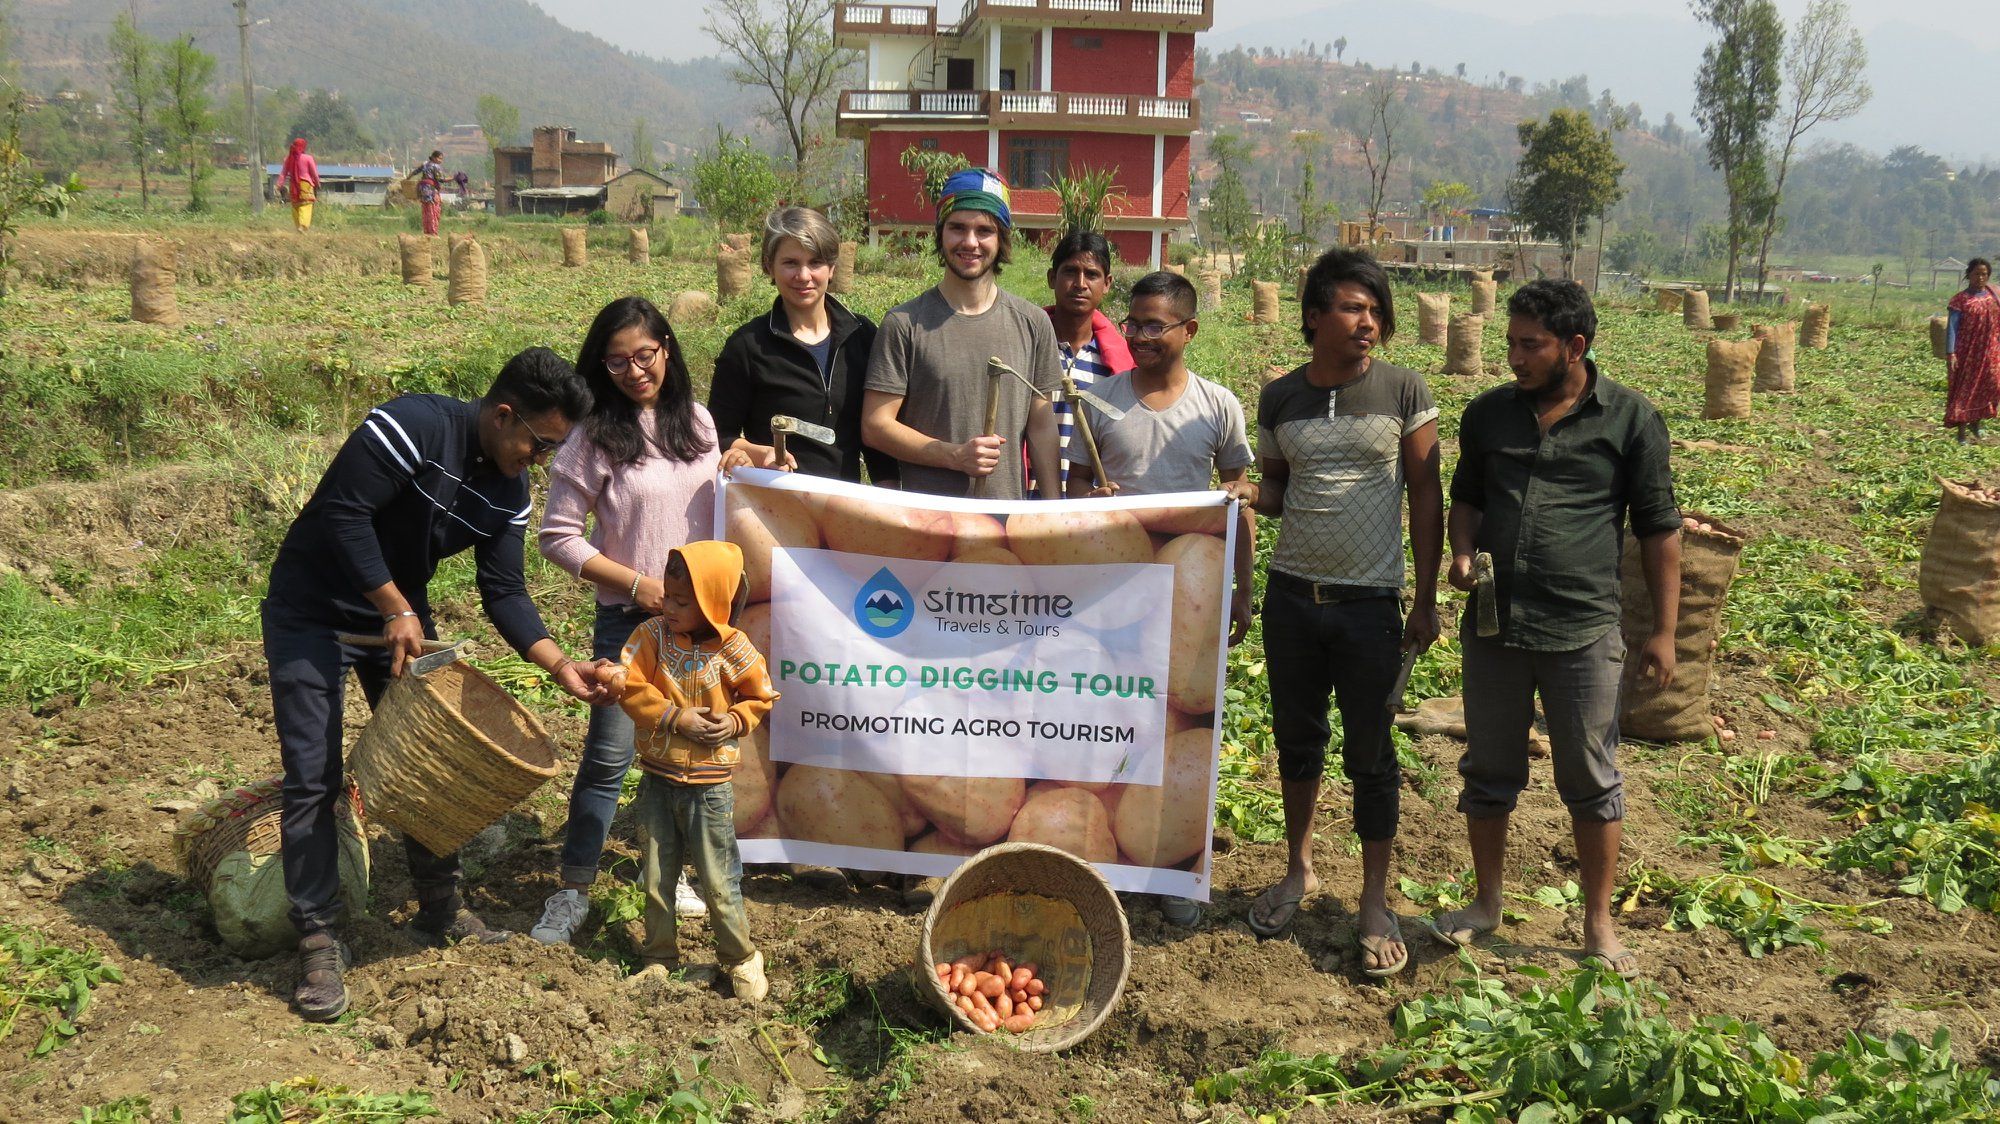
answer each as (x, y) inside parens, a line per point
(763, 371)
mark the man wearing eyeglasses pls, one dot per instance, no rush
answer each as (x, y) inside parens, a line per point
(423, 478)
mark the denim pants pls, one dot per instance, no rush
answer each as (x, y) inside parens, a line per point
(308, 677)
(607, 754)
(692, 824)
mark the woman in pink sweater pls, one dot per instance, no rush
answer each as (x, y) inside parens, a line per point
(641, 470)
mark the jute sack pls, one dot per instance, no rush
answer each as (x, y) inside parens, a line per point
(416, 254)
(1727, 321)
(575, 251)
(1940, 337)
(1463, 342)
(1666, 300)
(468, 272)
(1176, 270)
(843, 268)
(1433, 317)
(1209, 282)
(1959, 577)
(1776, 357)
(1818, 325)
(692, 307)
(1694, 310)
(1299, 284)
(153, 300)
(1485, 296)
(231, 849)
(737, 241)
(639, 246)
(732, 272)
(1680, 712)
(1482, 275)
(1264, 302)
(1732, 365)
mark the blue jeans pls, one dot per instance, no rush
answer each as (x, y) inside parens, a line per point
(607, 754)
(693, 825)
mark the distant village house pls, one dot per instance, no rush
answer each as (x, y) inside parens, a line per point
(554, 174)
(343, 185)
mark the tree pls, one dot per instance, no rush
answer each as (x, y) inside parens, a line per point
(185, 116)
(22, 188)
(1736, 95)
(1460, 69)
(785, 48)
(1340, 49)
(1568, 175)
(1825, 80)
(329, 124)
(1082, 198)
(1228, 202)
(641, 155)
(1445, 199)
(500, 120)
(134, 91)
(1910, 247)
(932, 166)
(1375, 135)
(736, 182)
(1312, 211)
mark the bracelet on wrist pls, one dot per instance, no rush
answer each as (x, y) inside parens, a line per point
(633, 593)
(387, 617)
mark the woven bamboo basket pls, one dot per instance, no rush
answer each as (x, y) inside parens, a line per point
(447, 754)
(248, 819)
(1037, 904)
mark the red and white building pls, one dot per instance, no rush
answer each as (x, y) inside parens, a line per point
(1031, 89)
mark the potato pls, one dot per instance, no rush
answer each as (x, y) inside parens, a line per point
(1201, 585)
(755, 778)
(973, 810)
(990, 555)
(756, 624)
(937, 843)
(1163, 825)
(1069, 818)
(760, 519)
(861, 526)
(912, 820)
(970, 531)
(1077, 538)
(766, 828)
(837, 806)
(1183, 520)
(1177, 722)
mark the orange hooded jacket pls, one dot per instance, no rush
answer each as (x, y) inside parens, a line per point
(667, 672)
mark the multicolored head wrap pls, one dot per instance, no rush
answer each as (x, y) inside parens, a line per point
(976, 189)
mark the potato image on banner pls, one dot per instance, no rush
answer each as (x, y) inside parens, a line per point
(970, 531)
(760, 519)
(1078, 538)
(861, 526)
(1162, 826)
(968, 809)
(756, 624)
(912, 820)
(837, 806)
(937, 843)
(1209, 520)
(754, 779)
(988, 555)
(1069, 818)
(1201, 582)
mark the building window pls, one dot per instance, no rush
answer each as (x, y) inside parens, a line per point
(1035, 162)
(1087, 42)
(928, 144)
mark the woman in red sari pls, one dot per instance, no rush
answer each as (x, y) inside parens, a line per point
(1974, 350)
(298, 181)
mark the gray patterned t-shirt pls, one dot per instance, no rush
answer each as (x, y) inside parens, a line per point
(1343, 521)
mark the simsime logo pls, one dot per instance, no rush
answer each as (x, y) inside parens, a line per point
(882, 608)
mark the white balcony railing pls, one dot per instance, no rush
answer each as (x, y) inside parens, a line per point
(1027, 103)
(862, 13)
(949, 102)
(919, 17)
(879, 102)
(1168, 7)
(1173, 109)
(1096, 105)
(1085, 5)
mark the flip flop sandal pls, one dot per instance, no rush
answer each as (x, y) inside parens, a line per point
(1288, 905)
(1393, 936)
(1610, 964)
(1443, 932)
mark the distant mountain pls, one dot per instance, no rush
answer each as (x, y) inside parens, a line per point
(885, 602)
(410, 67)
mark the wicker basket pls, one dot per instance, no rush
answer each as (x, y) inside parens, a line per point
(248, 819)
(447, 754)
(1037, 904)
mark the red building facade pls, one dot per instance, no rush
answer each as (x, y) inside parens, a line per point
(1032, 89)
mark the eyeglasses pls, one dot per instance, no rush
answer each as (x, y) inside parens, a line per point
(1150, 331)
(619, 364)
(543, 445)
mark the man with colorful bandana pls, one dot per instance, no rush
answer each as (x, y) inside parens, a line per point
(925, 401)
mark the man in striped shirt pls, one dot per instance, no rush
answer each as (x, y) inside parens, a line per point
(423, 478)
(1090, 345)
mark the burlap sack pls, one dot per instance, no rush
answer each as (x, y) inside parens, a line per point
(1727, 321)
(468, 271)
(737, 241)
(1176, 270)
(1299, 284)
(1433, 317)
(1264, 302)
(843, 268)
(153, 300)
(692, 307)
(1732, 366)
(1482, 275)
(1485, 296)
(1680, 712)
(732, 272)
(575, 251)
(415, 250)
(1959, 577)
(1777, 352)
(639, 246)
(1464, 340)
(1694, 310)
(1818, 326)
(1208, 284)
(1940, 337)
(1666, 300)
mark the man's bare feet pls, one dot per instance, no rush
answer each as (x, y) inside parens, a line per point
(1460, 927)
(1274, 910)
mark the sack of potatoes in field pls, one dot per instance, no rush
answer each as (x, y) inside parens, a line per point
(1710, 551)
(1959, 576)
(1485, 297)
(414, 250)
(639, 246)
(575, 248)
(1817, 330)
(1465, 340)
(153, 279)
(1732, 368)
(1694, 310)
(1777, 351)
(1433, 317)
(467, 282)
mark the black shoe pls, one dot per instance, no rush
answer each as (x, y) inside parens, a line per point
(440, 929)
(321, 996)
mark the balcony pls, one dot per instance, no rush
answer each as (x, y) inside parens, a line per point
(855, 24)
(1007, 109)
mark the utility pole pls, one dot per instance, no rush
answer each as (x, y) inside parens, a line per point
(255, 147)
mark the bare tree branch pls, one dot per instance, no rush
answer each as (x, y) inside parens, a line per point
(1826, 76)
(785, 48)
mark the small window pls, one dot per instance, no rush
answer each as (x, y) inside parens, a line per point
(1035, 162)
(928, 144)
(1087, 42)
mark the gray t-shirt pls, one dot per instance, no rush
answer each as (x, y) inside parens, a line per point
(935, 358)
(1343, 521)
(1178, 449)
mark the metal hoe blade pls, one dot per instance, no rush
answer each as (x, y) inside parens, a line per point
(1099, 404)
(784, 423)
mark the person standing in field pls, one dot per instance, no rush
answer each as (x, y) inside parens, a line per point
(806, 358)
(640, 472)
(1089, 346)
(424, 477)
(298, 181)
(1341, 441)
(1973, 348)
(430, 189)
(926, 395)
(1550, 469)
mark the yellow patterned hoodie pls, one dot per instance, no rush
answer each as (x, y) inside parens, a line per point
(667, 672)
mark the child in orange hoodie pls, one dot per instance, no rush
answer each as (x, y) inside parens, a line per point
(694, 686)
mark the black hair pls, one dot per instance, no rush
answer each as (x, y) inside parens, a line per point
(1162, 283)
(1338, 266)
(1975, 263)
(436, 153)
(1081, 242)
(1563, 307)
(613, 422)
(1000, 260)
(538, 380)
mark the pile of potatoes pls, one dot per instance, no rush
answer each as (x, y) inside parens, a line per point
(1140, 825)
(992, 992)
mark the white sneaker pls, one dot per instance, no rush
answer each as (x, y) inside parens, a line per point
(562, 916)
(687, 902)
(746, 980)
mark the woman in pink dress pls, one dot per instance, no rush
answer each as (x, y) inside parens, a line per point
(298, 182)
(1974, 352)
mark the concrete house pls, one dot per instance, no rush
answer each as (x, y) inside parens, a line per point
(553, 174)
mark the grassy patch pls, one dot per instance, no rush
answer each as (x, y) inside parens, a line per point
(311, 1100)
(46, 988)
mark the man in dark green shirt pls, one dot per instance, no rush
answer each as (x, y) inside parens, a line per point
(1550, 469)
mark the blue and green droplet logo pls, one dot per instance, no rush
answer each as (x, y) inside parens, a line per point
(882, 608)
